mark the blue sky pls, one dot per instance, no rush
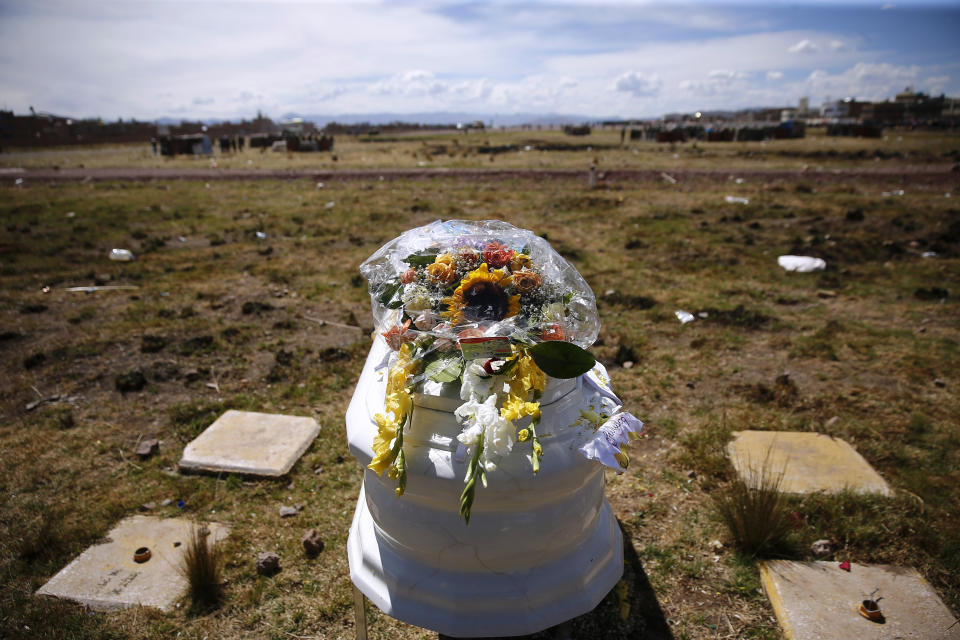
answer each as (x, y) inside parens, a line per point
(219, 59)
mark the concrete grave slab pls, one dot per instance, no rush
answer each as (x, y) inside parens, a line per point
(259, 444)
(810, 462)
(105, 577)
(818, 601)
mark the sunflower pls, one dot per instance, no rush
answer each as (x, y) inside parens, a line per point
(481, 296)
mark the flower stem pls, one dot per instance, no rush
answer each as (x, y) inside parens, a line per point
(474, 470)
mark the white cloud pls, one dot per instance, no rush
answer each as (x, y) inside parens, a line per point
(936, 84)
(142, 59)
(864, 81)
(804, 46)
(727, 75)
(638, 84)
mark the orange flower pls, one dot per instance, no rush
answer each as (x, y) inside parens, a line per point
(497, 255)
(553, 332)
(408, 276)
(442, 272)
(397, 335)
(526, 281)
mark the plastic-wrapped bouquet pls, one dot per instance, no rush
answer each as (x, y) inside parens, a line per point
(496, 309)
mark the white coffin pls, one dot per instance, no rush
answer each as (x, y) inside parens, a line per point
(539, 550)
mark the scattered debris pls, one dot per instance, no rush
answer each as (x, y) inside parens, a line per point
(737, 200)
(116, 287)
(668, 178)
(330, 205)
(940, 383)
(801, 264)
(684, 317)
(288, 512)
(261, 235)
(147, 448)
(312, 543)
(845, 565)
(121, 255)
(895, 192)
(268, 563)
(822, 548)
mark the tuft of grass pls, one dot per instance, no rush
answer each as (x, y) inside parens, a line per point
(202, 566)
(756, 513)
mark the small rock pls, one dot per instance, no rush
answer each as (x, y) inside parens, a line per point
(716, 545)
(148, 506)
(287, 512)
(628, 364)
(822, 548)
(318, 470)
(268, 563)
(826, 293)
(166, 503)
(312, 544)
(192, 376)
(691, 474)
(147, 448)
(940, 383)
(690, 385)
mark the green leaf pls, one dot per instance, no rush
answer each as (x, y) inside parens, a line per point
(421, 259)
(445, 369)
(388, 292)
(561, 359)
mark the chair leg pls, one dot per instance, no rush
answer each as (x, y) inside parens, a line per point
(360, 613)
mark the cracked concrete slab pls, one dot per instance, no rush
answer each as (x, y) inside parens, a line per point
(106, 576)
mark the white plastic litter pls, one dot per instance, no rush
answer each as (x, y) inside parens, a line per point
(737, 200)
(121, 255)
(320, 185)
(330, 205)
(261, 235)
(929, 254)
(684, 317)
(895, 192)
(802, 264)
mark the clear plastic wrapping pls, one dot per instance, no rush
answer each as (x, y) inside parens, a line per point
(457, 278)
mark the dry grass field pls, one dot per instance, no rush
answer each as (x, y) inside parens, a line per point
(217, 318)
